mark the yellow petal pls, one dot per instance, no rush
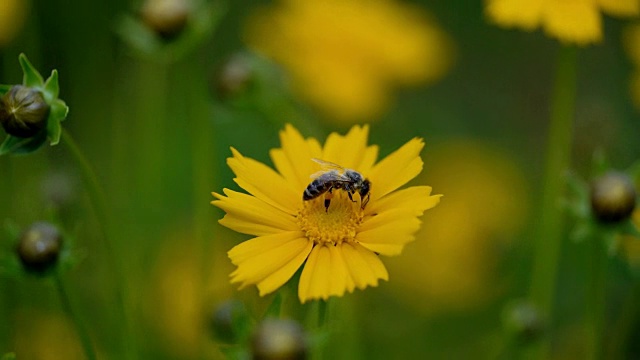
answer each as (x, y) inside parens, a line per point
(299, 153)
(264, 183)
(524, 14)
(307, 287)
(398, 231)
(417, 198)
(282, 275)
(348, 150)
(385, 249)
(364, 269)
(620, 7)
(339, 273)
(261, 257)
(287, 169)
(573, 22)
(250, 215)
(396, 169)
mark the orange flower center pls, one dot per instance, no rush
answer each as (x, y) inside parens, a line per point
(333, 225)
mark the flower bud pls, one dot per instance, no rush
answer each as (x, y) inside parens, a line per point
(23, 111)
(523, 319)
(222, 321)
(613, 197)
(39, 247)
(279, 339)
(233, 77)
(167, 18)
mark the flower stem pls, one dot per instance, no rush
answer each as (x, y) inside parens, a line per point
(622, 329)
(66, 306)
(596, 299)
(548, 241)
(98, 202)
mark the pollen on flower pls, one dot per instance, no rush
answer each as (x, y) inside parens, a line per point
(333, 226)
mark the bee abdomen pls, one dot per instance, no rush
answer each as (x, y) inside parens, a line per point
(315, 189)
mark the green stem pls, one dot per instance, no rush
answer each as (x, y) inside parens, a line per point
(623, 328)
(66, 306)
(548, 241)
(596, 299)
(98, 202)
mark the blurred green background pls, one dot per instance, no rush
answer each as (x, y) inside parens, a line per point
(157, 129)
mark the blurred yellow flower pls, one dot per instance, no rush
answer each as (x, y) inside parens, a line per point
(12, 16)
(177, 306)
(346, 56)
(577, 22)
(632, 45)
(340, 243)
(44, 336)
(454, 268)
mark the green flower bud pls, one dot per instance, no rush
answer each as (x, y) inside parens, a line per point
(167, 18)
(613, 197)
(23, 111)
(39, 247)
(222, 321)
(523, 320)
(279, 339)
(233, 77)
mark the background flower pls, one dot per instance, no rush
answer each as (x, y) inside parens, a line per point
(454, 265)
(570, 21)
(336, 59)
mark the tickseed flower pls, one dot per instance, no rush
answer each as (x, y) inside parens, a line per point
(338, 245)
(632, 45)
(339, 63)
(577, 22)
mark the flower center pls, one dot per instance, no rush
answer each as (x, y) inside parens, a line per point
(331, 225)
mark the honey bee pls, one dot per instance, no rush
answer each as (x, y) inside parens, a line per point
(334, 176)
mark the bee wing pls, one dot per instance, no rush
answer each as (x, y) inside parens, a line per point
(327, 165)
(329, 175)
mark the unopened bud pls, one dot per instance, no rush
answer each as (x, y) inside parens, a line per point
(523, 319)
(167, 18)
(224, 318)
(23, 111)
(279, 339)
(233, 77)
(613, 197)
(39, 247)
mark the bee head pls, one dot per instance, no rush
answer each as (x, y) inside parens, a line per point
(365, 187)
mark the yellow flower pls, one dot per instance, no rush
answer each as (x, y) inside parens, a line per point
(632, 44)
(346, 56)
(575, 22)
(486, 207)
(12, 16)
(340, 244)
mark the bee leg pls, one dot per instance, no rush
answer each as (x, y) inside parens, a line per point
(365, 201)
(327, 200)
(350, 196)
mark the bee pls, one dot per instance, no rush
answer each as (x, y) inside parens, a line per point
(334, 176)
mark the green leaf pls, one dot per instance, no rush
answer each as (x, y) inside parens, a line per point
(4, 89)
(51, 88)
(31, 76)
(57, 114)
(8, 356)
(17, 145)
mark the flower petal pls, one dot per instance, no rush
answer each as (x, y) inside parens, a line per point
(385, 249)
(396, 169)
(260, 257)
(250, 215)
(364, 266)
(282, 275)
(398, 231)
(325, 274)
(264, 183)
(416, 198)
(348, 150)
(299, 153)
